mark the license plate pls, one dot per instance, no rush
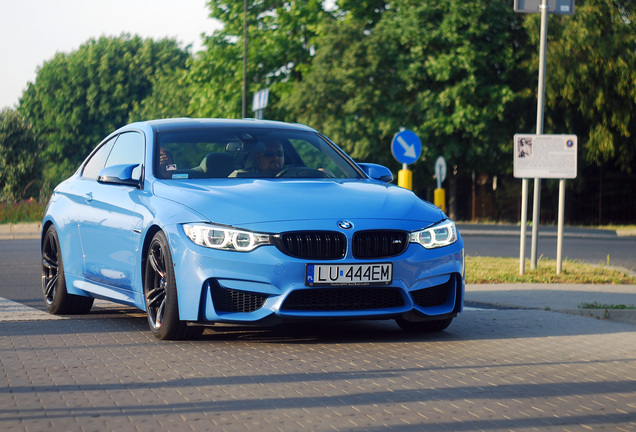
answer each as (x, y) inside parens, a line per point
(349, 274)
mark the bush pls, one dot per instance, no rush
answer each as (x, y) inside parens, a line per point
(23, 211)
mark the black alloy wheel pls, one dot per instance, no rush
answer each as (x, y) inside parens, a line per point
(58, 300)
(160, 292)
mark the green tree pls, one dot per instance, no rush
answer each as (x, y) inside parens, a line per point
(20, 174)
(365, 12)
(591, 79)
(78, 98)
(170, 97)
(280, 37)
(464, 74)
(352, 92)
(451, 71)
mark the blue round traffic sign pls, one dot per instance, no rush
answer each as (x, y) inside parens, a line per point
(406, 147)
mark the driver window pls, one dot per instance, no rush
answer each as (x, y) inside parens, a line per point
(128, 150)
(97, 161)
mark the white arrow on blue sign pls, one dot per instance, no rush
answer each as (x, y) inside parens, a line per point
(406, 147)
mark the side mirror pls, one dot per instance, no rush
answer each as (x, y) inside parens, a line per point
(377, 172)
(118, 175)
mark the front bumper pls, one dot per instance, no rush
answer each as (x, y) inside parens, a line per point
(267, 286)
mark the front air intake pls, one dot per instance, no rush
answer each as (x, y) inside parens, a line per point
(233, 301)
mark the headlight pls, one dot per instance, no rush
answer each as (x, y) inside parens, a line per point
(225, 238)
(442, 234)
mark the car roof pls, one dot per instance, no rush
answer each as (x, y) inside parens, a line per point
(167, 125)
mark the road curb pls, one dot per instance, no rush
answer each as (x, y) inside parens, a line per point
(627, 316)
(20, 231)
(626, 232)
(547, 231)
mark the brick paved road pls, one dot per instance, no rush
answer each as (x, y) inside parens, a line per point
(493, 370)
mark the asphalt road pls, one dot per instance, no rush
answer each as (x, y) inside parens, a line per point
(21, 272)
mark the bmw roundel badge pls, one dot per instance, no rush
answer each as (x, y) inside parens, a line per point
(345, 225)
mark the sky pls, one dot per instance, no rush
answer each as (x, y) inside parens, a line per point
(33, 31)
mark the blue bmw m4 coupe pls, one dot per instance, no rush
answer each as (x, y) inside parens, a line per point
(204, 221)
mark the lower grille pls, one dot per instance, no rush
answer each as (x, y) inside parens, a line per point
(433, 296)
(230, 300)
(343, 299)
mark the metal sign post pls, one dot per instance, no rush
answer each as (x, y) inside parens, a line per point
(439, 195)
(406, 148)
(536, 202)
(546, 156)
(565, 7)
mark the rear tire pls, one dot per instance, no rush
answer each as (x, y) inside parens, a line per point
(160, 292)
(58, 301)
(423, 326)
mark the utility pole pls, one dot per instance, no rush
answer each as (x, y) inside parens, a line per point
(536, 202)
(244, 106)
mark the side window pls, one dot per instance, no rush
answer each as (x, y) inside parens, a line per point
(95, 164)
(128, 150)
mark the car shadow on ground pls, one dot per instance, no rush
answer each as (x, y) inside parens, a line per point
(472, 324)
(469, 325)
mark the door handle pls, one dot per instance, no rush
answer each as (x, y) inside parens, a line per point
(88, 197)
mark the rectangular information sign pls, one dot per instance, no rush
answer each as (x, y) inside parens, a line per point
(560, 7)
(260, 99)
(545, 156)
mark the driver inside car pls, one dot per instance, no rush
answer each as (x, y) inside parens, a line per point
(266, 163)
(272, 160)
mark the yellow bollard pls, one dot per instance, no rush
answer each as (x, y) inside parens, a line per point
(405, 179)
(440, 199)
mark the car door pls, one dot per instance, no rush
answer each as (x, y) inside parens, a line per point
(106, 227)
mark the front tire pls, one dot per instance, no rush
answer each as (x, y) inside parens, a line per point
(58, 300)
(160, 292)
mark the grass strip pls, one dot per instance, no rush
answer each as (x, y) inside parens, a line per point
(492, 270)
(596, 305)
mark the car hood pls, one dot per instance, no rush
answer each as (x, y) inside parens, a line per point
(249, 202)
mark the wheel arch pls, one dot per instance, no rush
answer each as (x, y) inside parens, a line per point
(150, 233)
(45, 227)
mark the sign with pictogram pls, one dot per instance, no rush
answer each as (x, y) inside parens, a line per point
(545, 156)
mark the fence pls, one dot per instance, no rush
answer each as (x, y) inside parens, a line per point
(593, 198)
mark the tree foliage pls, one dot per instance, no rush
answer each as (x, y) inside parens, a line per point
(351, 92)
(591, 79)
(451, 71)
(463, 71)
(19, 163)
(80, 97)
(280, 38)
(170, 97)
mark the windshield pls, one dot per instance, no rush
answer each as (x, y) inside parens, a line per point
(249, 153)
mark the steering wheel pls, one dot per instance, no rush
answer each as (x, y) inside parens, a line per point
(296, 171)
